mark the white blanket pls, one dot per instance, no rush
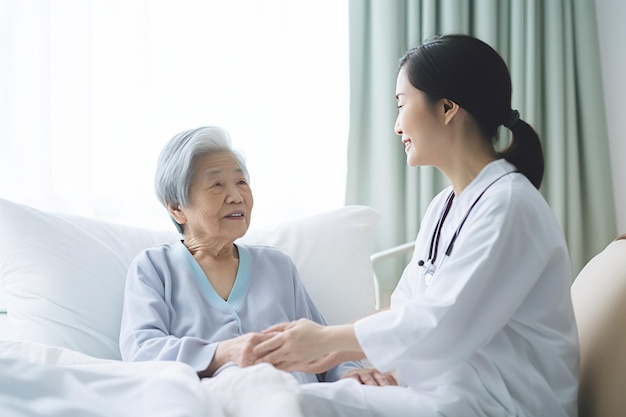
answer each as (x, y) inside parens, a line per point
(44, 381)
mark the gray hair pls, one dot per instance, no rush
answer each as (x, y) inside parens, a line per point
(175, 166)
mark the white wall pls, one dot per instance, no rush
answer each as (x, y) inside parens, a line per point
(611, 15)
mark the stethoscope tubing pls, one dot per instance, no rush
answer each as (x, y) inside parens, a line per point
(436, 236)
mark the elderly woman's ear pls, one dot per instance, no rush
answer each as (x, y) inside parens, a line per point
(176, 213)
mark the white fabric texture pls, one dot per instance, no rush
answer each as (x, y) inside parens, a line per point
(44, 381)
(63, 276)
(494, 324)
(259, 390)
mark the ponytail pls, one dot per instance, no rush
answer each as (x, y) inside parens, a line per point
(525, 151)
(471, 73)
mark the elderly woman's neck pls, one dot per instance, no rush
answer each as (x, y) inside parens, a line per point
(215, 250)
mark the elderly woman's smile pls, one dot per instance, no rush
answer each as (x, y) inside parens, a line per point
(236, 215)
(220, 201)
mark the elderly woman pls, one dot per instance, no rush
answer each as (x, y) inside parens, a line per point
(205, 299)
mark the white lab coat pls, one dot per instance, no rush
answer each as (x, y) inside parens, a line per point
(492, 331)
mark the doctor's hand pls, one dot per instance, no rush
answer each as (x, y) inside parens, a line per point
(371, 376)
(321, 364)
(294, 346)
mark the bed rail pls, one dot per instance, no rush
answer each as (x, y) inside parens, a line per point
(384, 255)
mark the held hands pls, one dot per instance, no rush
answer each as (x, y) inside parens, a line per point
(306, 346)
(296, 346)
(301, 345)
(281, 345)
(239, 350)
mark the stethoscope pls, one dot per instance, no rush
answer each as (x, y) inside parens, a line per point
(428, 266)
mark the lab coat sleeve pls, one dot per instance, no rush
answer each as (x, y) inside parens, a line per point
(144, 332)
(305, 308)
(506, 244)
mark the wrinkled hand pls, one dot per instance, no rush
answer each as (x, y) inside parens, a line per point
(371, 376)
(294, 346)
(240, 349)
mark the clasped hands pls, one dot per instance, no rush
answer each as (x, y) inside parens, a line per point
(299, 346)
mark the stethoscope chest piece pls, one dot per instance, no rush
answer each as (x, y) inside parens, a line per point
(428, 270)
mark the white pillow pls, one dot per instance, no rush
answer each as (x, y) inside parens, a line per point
(63, 276)
(3, 303)
(332, 253)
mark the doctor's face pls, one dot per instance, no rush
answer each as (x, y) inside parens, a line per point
(417, 123)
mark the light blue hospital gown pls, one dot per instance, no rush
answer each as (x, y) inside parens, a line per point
(171, 311)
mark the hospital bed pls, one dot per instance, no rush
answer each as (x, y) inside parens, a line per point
(61, 288)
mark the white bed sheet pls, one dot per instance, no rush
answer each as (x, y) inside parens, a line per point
(44, 381)
(4, 324)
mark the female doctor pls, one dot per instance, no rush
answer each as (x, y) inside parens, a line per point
(481, 322)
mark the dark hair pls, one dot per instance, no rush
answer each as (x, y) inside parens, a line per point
(471, 73)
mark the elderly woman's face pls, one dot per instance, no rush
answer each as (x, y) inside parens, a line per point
(220, 199)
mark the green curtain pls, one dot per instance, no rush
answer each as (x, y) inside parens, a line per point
(551, 48)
